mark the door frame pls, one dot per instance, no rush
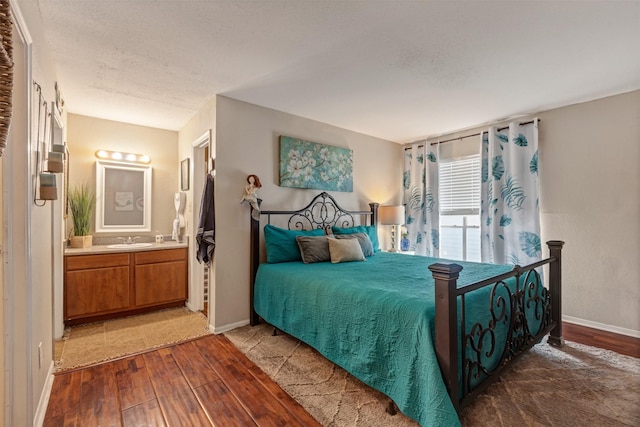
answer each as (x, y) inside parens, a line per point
(196, 270)
(58, 239)
(17, 284)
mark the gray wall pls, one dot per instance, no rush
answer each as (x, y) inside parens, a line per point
(590, 198)
(247, 143)
(86, 135)
(29, 276)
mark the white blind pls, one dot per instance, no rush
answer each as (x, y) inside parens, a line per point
(460, 186)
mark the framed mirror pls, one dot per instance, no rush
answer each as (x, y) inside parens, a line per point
(123, 197)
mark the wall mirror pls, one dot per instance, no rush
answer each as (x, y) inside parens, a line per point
(123, 197)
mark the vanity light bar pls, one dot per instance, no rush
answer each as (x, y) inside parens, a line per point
(123, 157)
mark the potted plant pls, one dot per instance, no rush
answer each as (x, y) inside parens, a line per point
(82, 200)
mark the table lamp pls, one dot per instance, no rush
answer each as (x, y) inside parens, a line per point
(394, 216)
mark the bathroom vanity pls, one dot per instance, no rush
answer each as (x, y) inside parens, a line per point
(102, 282)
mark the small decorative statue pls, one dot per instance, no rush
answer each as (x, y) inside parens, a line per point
(251, 197)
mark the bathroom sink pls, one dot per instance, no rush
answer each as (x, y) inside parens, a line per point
(129, 245)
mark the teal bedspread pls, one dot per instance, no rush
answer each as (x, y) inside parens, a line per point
(373, 318)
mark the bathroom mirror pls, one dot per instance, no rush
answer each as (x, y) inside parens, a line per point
(123, 197)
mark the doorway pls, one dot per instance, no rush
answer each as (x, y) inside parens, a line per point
(58, 213)
(201, 275)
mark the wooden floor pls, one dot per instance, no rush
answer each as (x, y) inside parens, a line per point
(203, 382)
(622, 344)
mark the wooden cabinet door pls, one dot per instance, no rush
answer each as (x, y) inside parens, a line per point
(161, 283)
(96, 291)
(108, 285)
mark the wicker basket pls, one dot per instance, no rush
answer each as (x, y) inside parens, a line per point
(48, 193)
(55, 166)
(6, 72)
(55, 162)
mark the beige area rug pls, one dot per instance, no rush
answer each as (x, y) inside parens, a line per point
(101, 341)
(573, 386)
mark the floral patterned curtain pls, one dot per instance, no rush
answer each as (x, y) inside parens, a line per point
(510, 216)
(420, 183)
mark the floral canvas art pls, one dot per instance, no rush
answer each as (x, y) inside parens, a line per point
(306, 164)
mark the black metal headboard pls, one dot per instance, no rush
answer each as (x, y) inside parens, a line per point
(322, 212)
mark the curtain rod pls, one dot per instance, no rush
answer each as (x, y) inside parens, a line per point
(479, 133)
(472, 135)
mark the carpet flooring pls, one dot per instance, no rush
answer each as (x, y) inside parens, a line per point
(575, 385)
(85, 345)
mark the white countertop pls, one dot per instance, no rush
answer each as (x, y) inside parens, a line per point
(104, 249)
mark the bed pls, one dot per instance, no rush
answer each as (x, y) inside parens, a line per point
(430, 334)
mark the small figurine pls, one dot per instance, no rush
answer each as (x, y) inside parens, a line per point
(251, 197)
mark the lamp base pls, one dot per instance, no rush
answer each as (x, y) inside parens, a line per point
(394, 247)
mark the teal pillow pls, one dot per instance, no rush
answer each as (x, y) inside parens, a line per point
(281, 243)
(370, 230)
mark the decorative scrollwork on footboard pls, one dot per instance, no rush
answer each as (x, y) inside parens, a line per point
(520, 315)
(507, 315)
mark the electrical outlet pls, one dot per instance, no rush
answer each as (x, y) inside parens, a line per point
(40, 355)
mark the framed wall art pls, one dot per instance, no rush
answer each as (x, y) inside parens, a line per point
(306, 164)
(184, 175)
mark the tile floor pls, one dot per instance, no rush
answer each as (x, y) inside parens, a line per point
(95, 342)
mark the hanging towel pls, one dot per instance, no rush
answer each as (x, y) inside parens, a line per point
(207, 224)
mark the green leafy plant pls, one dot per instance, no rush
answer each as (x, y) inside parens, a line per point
(82, 200)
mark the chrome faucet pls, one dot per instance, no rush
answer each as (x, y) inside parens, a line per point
(128, 240)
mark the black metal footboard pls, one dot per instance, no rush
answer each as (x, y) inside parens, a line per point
(521, 311)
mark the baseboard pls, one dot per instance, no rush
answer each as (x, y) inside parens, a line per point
(192, 307)
(41, 410)
(601, 326)
(228, 327)
(569, 319)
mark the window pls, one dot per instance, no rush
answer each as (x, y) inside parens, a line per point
(459, 196)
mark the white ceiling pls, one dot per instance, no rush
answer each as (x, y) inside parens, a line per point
(398, 70)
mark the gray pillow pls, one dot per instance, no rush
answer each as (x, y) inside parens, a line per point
(344, 250)
(363, 239)
(313, 249)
